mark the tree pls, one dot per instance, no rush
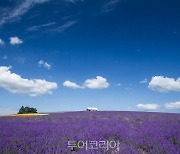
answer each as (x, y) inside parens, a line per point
(24, 110)
(21, 110)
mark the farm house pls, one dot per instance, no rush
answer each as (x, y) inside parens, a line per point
(91, 109)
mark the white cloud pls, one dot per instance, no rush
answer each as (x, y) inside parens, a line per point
(97, 83)
(1, 42)
(21, 60)
(7, 111)
(144, 81)
(73, 1)
(109, 6)
(5, 57)
(70, 84)
(172, 106)
(12, 14)
(63, 27)
(147, 106)
(35, 28)
(164, 84)
(118, 84)
(15, 40)
(14, 83)
(45, 64)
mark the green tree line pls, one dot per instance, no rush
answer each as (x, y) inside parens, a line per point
(27, 109)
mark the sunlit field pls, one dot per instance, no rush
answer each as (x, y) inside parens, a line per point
(28, 115)
(91, 132)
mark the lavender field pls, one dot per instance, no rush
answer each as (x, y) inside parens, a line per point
(91, 132)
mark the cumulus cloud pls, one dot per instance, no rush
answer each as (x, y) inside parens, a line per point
(96, 83)
(15, 40)
(45, 64)
(12, 14)
(147, 106)
(144, 81)
(173, 106)
(164, 84)
(70, 84)
(14, 83)
(1, 42)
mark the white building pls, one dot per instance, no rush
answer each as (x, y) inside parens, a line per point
(91, 109)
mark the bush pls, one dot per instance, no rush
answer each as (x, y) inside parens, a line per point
(24, 110)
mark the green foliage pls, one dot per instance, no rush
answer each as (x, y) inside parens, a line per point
(24, 110)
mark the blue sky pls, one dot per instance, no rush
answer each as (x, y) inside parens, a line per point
(67, 55)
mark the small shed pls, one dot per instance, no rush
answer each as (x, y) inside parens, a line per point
(91, 109)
